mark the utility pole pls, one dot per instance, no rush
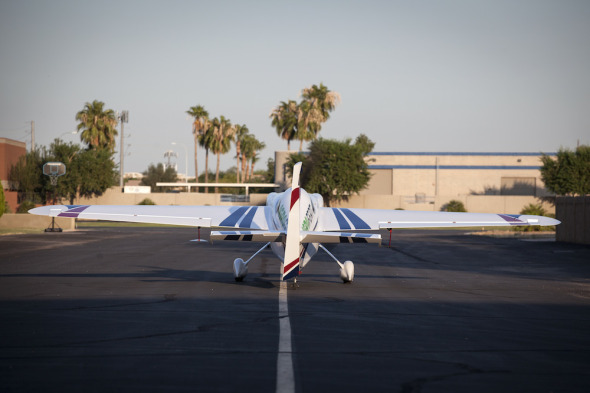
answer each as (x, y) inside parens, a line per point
(32, 135)
(124, 118)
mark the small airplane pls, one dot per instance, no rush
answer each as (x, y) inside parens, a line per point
(294, 223)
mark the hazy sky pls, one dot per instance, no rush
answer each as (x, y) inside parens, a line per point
(452, 76)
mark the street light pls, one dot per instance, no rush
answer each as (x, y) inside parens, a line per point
(185, 160)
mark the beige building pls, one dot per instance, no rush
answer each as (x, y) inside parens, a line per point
(484, 182)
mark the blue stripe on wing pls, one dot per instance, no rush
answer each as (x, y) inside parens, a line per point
(247, 221)
(233, 218)
(355, 220)
(341, 220)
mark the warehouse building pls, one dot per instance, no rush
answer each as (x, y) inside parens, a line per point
(499, 182)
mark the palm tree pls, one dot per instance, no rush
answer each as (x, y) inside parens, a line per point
(223, 134)
(303, 121)
(322, 99)
(240, 133)
(201, 118)
(97, 126)
(251, 147)
(284, 119)
(316, 105)
(206, 141)
(307, 122)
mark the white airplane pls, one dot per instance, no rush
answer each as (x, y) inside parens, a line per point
(294, 223)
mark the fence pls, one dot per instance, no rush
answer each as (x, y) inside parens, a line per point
(574, 214)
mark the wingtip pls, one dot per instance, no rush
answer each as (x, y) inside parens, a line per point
(36, 210)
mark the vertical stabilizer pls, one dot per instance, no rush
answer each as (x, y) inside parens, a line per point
(293, 241)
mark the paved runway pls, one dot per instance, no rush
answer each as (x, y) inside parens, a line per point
(144, 309)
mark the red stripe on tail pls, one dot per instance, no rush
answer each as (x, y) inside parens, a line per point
(294, 197)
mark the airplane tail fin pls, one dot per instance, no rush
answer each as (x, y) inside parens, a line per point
(293, 242)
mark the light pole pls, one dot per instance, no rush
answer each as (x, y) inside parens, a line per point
(123, 118)
(185, 160)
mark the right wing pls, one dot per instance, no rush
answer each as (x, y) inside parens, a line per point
(343, 219)
(246, 217)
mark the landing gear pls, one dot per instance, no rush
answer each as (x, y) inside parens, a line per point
(346, 268)
(241, 266)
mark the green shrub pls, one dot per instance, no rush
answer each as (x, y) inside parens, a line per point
(2, 201)
(454, 206)
(25, 206)
(535, 210)
(147, 201)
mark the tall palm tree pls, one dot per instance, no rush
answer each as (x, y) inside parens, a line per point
(223, 134)
(307, 121)
(315, 107)
(206, 141)
(322, 99)
(316, 104)
(240, 133)
(251, 148)
(284, 119)
(97, 126)
(201, 117)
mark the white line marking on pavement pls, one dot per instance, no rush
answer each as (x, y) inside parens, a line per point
(285, 376)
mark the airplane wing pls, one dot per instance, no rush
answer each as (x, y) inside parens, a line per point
(247, 217)
(339, 219)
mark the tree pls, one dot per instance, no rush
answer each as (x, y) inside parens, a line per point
(206, 141)
(251, 147)
(223, 133)
(240, 133)
(97, 126)
(67, 185)
(97, 172)
(569, 173)
(2, 201)
(89, 172)
(334, 169)
(318, 102)
(157, 174)
(284, 119)
(200, 126)
(304, 121)
(26, 176)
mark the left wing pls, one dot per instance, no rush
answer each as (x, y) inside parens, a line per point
(339, 219)
(247, 217)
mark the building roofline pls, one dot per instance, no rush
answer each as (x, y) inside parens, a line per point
(459, 154)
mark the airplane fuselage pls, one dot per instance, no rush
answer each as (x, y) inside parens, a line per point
(278, 219)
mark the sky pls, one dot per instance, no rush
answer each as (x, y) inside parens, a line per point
(414, 76)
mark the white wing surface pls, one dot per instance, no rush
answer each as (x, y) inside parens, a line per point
(342, 219)
(245, 217)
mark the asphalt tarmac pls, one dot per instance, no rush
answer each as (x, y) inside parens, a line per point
(145, 309)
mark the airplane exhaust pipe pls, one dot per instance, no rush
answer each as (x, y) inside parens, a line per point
(240, 269)
(347, 272)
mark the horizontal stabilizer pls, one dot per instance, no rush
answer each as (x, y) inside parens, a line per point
(248, 236)
(339, 237)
